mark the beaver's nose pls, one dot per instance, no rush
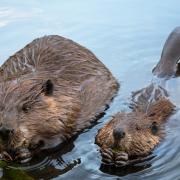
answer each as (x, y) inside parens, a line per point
(4, 132)
(118, 133)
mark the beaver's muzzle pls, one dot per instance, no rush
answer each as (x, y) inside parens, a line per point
(118, 135)
(110, 155)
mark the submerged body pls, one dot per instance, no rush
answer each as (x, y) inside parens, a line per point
(49, 91)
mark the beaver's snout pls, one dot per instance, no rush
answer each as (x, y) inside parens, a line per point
(118, 133)
(5, 132)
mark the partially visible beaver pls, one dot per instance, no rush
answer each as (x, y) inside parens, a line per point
(169, 66)
(50, 90)
(130, 136)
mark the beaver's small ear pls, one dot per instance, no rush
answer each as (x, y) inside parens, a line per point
(48, 87)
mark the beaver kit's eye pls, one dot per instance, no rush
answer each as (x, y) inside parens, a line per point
(25, 108)
(154, 128)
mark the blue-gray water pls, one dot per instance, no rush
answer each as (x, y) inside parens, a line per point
(127, 36)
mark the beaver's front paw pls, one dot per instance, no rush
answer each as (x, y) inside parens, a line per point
(23, 155)
(107, 156)
(121, 159)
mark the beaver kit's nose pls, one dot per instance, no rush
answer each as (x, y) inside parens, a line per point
(118, 133)
(5, 132)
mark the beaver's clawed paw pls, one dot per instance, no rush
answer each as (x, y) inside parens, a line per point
(114, 158)
(5, 156)
(121, 159)
(23, 155)
(107, 156)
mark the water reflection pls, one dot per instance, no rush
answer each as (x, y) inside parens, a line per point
(128, 37)
(50, 163)
(123, 171)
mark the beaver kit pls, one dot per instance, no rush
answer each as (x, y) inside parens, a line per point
(130, 136)
(49, 91)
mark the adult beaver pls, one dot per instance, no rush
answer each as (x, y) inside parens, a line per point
(130, 136)
(50, 90)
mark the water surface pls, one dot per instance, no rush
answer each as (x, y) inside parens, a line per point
(127, 36)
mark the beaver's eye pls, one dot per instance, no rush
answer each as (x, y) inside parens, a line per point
(138, 127)
(154, 128)
(48, 88)
(25, 108)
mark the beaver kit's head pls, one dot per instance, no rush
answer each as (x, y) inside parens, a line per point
(129, 136)
(30, 117)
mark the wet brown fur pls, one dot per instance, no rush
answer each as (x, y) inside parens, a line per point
(140, 139)
(83, 87)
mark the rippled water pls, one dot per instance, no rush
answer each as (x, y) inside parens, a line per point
(128, 36)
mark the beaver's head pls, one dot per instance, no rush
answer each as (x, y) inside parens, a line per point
(129, 136)
(32, 115)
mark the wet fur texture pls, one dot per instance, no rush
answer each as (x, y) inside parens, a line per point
(143, 127)
(50, 90)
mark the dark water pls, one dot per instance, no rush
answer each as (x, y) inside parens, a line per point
(128, 36)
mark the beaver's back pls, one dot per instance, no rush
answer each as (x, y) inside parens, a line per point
(54, 54)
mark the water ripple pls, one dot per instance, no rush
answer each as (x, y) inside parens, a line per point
(128, 37)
